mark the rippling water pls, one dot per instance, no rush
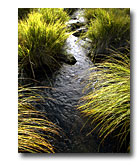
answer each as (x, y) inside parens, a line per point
(68, 84)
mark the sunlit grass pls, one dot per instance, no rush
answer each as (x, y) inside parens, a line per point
(40, 39)
(107, 28)
(91, 13)
(52, 15)
(34, 128)
(41, 35)
(107, 106)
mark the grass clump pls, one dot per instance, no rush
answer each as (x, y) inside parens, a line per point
(89, 14)
(108, 28)
(107, 106)
(40, 39)
(51, 15)
(34, 129)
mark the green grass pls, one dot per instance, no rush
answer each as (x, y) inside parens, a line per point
(108, 28)
(41, 35)
(40, 39)
(34, 129)
(52, 15)
(107, 106)
(91, 13)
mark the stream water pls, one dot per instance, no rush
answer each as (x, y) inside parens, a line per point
(68, 84)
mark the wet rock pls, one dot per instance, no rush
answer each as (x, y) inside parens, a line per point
(67, 58)
(79, 15)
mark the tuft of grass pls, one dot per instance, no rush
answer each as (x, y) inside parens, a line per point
(108, 27)
(89, 14)
(34, 129)
(40, 39)
(52, 15)
(107, 106)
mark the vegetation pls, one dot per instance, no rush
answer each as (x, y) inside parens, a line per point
(40, 39)
(52, 15)
(108, 105)
(108, 28)
(34, 129)
(92, 13)
(41, 35)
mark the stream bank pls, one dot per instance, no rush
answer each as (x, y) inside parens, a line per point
(67, 88)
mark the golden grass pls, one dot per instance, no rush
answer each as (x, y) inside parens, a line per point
(34, 128)
(40, 39)
(108, 27)
(107, 106)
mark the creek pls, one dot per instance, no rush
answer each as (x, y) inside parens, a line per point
(67, 89)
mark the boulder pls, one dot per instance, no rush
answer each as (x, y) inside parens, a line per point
(67, 58)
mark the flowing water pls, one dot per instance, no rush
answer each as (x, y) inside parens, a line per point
(68, 84)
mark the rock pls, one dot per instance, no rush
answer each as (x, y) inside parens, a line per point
(79, 15)
(67, 57)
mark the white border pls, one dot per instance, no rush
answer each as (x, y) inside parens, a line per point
(8, 86)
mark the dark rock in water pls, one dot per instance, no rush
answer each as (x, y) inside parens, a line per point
(78, 32)
(68, 58)
(71, 60)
